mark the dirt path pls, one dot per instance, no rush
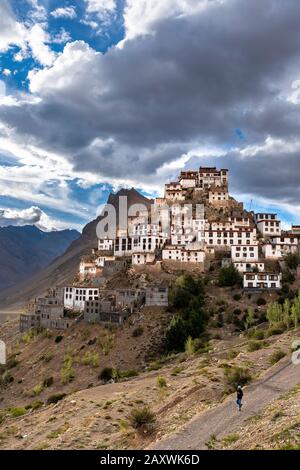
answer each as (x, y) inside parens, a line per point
(226, 419)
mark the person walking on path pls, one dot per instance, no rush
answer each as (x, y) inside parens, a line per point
(239, 397)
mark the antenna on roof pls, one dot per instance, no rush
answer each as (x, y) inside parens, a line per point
(251, 202)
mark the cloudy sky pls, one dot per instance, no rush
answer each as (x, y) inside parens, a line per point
(101, 94)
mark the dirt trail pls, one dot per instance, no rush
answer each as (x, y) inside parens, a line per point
(226, 419)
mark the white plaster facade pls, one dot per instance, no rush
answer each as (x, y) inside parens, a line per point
(182, 254)
(243, 236)
(143, 258)
(262, 281)
(244, 252)
(75, 297)
(268, 224)
(244, 267)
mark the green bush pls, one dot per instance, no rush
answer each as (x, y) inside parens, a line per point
(276, 356)
(67, 372)
(187, 297)
(161, 382)
(277, 329)
(37, 390)
(141, 417)
(17, 411)
(34, 405)
(237, 376)
(256, 334)
(91, 359)
(254, 346)
(58, 339)
(55, 398)
(127, 374)
(229, 276)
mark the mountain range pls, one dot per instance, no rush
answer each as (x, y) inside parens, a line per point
(26, 250)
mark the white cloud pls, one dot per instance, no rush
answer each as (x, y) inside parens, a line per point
(141, 16)
(294, 96)
(37, 38)
(62, 37)
(31, 216)
(11, 31)
(66, 12)
(6, 72)
(92, 24)
(30, 36)
(38, 12)
(100, 6)
(104, 10)
(67, 72)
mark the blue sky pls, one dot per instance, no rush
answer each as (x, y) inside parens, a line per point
(96, 95)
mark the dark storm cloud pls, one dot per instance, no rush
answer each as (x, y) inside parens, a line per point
(273, 173)
(195, 81)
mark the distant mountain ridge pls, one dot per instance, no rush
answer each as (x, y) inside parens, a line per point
(26, 250)
(63, 269)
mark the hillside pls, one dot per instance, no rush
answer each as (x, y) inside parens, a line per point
(96, 416)
(26, 250)
(63, 269)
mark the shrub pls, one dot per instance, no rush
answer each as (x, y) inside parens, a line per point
(292, 261)
(67, 372)
(58, 339)
(108, 373)
(141, 417)
(237, 312)
(288, 277)
(229, 276)
(55, 398)
(137, 332)
(237, 375)
(48, 382)
(37, 390)
(176, 371)
(256, 334)
(276, 329)
(254, 345)
(126, 374)
(91, 359)
(276, 356)
(17, 411)
(34, 405)
(29, 336)
(6, 378)
(237, 297)
(230, 439)
(261, 301)
(161, 382)
(189, 347)
(47, 357)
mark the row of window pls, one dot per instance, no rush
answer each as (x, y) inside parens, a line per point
(225, 242)
(262, 285)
